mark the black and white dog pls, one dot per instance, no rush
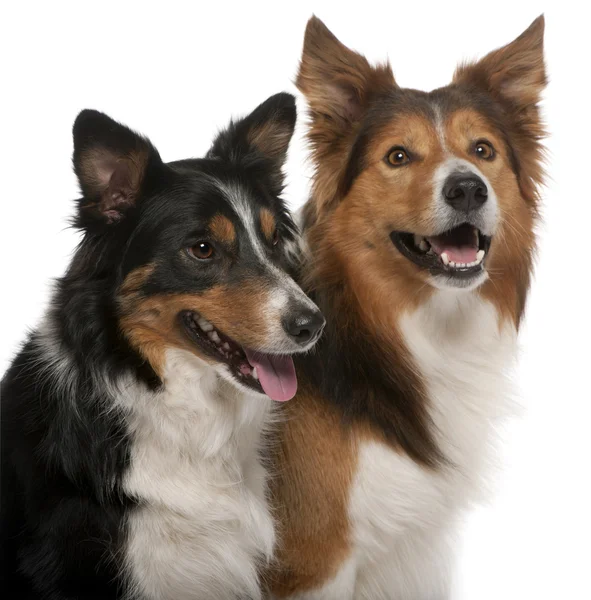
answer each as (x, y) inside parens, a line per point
(133, 417)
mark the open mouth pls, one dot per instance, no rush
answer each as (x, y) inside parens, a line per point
(460, 252)
(271, 374)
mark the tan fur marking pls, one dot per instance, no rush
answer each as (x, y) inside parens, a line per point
(223, 229)
(151, 323)
(268, 223)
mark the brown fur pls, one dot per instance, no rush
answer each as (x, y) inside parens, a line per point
(312, 434)
(363, 284)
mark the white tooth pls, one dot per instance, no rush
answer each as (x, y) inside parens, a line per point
(463, 265)
(445, 258)
(423, 245)
(205, 324)
(452, 264)
(476, 236)
(418, 239)
(226, 346)
(479, 256)
(255, 374)
(214, 337)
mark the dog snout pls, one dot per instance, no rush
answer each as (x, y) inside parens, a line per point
(465, 191)
(303, 325)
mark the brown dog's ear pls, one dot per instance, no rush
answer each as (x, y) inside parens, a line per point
(515, 76)
(110, 161)
(338, 84)
(337, 81)
(515, 73)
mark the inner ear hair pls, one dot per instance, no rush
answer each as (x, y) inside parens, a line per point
(112, 182)
(270, 138)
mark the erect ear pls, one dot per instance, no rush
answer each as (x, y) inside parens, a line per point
(515, 74)
(337, 82)
(110, 161)
(264, 134)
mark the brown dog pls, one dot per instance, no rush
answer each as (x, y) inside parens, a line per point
(420, 235)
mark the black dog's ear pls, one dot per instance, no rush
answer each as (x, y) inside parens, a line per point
(110, 162)
(264, 133)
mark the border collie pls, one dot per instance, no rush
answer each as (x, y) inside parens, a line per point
(133, 417)
(419, 240)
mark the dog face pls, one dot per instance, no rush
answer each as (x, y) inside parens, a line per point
(201, 246)
(427, 190)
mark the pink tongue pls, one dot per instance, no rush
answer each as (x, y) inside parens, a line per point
(462, 254)
(276, 374)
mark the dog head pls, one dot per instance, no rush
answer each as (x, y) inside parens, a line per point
(426, 190)
(197, 250)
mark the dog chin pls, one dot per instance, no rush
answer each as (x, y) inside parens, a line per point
(449, 282)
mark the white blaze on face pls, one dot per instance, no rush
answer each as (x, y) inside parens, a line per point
(283, 293)
(444, 216)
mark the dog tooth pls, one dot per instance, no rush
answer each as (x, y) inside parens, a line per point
(226, 346)
(214, 337)
(452, 264)
(445, 258)
(418, 239)
(423, 245)
(205, 324)
(255, 374)
(479, 255)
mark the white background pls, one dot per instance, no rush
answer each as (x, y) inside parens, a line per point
(177, 72)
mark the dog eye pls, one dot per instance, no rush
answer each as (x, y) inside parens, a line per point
(397, 157)
(484, 150)
(201, 250)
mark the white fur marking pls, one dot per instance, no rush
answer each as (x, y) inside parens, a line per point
(203, 525)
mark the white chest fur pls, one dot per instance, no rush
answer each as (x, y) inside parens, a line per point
(403, 514)
(203, 524)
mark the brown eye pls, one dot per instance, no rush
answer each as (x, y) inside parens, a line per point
(484, 150)
(275, 238)
(397, 157)
(201, 250)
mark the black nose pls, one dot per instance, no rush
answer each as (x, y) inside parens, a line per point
(303, 325)
(465, 192)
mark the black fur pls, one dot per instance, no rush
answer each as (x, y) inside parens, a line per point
(65, 449)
